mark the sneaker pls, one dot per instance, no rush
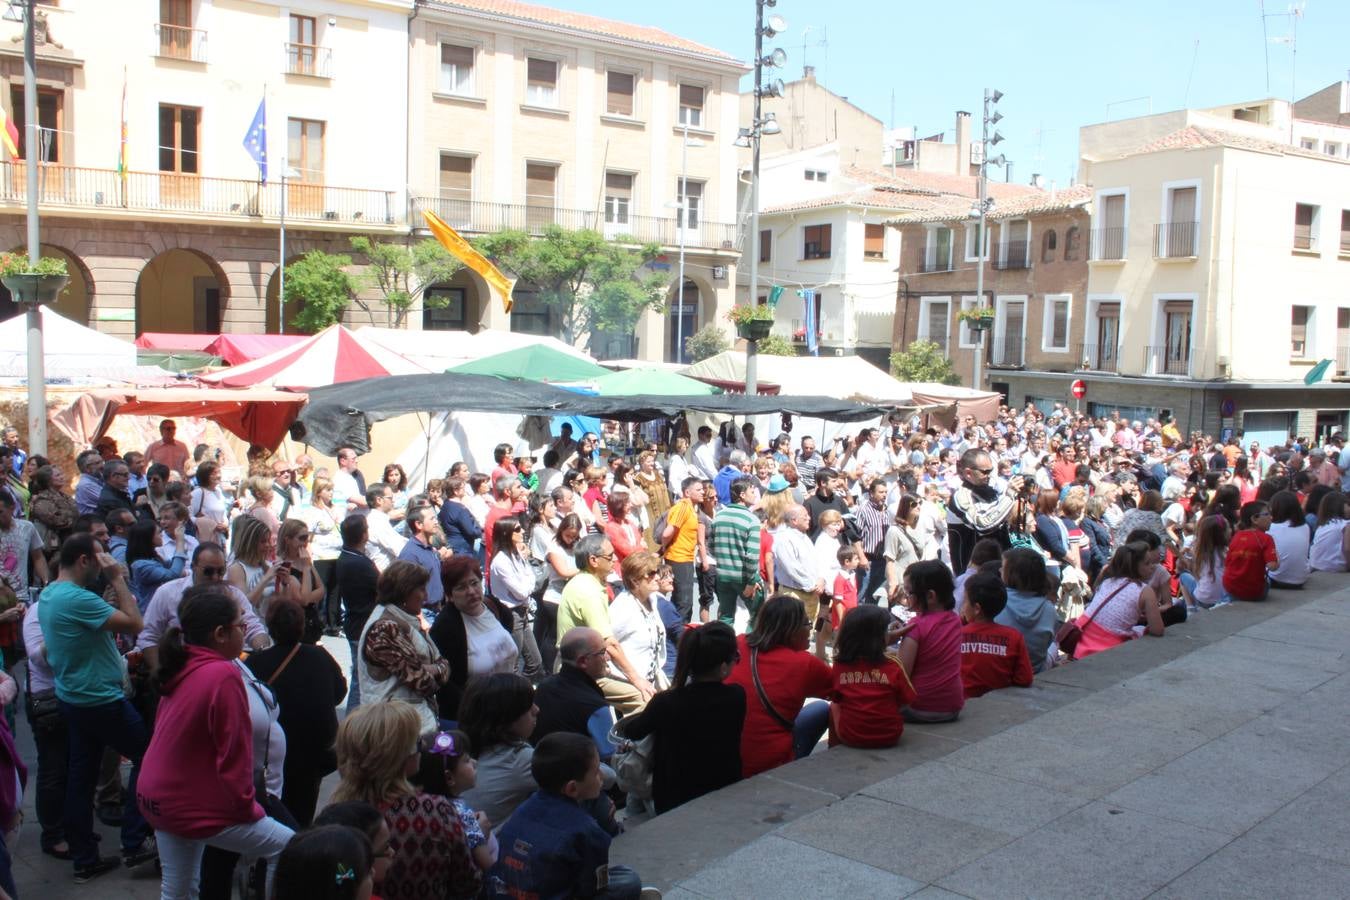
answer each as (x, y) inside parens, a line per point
(142, 854)
(649, 893)
(87, 873)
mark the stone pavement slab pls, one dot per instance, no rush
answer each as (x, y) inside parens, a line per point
(773, 866)
(1247, 868)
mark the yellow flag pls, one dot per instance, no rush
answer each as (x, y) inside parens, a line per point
(463, 251)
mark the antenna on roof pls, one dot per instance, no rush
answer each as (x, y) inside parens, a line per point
(823, 42)
(1294, 13)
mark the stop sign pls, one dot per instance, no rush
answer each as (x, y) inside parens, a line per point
(1079, 388)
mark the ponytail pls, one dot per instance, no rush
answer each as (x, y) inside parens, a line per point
(204, 608)
(172, 658)
(702, 650)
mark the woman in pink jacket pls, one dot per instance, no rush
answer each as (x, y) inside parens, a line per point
(196, 785)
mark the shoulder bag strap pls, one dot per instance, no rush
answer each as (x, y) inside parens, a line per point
(284, 663)
(201, 501)
(764, 697)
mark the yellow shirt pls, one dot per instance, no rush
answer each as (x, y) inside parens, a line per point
(684, 519)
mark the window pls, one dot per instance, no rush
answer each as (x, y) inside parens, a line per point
(443, 310)
(935, 320)
(456, 178)
(816, 241)
(619, 87)
(874, 241)
(1049, 241)
(692, 200)
(50, 108)
(530, 314)
(938, 252)
(1016, 249)
(541, 192)
(816, 175)
(1342, 341)
(180, 139)
(1175, 356)
(1010, 326)
(965, 337)
(1103, 353)
(972, 231)
(1108, 241)
(1331, 149)
(175, 29)
(1055, 329)
(456, 70)
(1308, 144)
(1073, 239)
(765, 245)
(541, 82)
(618, 197)
(1305, 226)
(691, 105)
(303, 49)
(304, 149)
(1300, 320)
(1345, 231)
(1177, 239)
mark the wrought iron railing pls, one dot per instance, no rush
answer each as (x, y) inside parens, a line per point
(1176, 240)
(181, 42)
(1108, 243)
(1098, 358)
(309, 59)
(1167, 360)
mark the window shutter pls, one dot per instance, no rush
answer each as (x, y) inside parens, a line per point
(937, 324)
(456, 177)
(1177, 307)
(540, 183)
(1059, 325)
(765, 245)
(1108, 310)
(460, 57)
(874, 241)
(619, 94)
(542, 72)
(1303, 222)
(618, 185)
(691, 95)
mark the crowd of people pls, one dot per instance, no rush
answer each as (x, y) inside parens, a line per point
(538, 651)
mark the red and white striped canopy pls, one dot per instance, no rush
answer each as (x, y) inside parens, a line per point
(332, 356)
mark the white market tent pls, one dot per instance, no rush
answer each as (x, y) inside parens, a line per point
(70, 351)
(841, 377)
(440, 350)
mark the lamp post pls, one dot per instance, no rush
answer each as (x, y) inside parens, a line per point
(37, 377)
(683, 223)
(981, 210)
(750, 137)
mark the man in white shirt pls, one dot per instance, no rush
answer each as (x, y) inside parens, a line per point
(347, 494)
(705, 455)
(383, 543)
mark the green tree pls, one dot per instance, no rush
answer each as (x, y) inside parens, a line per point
(923, 361)
(777, 345)
(594, 285)
(401, 274)
(320, 289)
(708, 341)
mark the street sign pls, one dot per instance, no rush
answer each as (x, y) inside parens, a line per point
(1079, 388)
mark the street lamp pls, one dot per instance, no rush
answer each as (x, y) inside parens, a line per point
(980, 210)
(762, 124)
(286, 172)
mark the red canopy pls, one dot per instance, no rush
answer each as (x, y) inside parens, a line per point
(332, 356)
(259, 416)
(237, 349)
(164, 340)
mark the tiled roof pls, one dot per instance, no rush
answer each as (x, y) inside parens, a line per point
(594, 25)
(874, 197)
(1193, 137)
(1029, 202)
(936, 182)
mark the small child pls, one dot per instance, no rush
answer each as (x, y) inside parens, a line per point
(1202, 584)
(931, 651)
(1251, 554)
(870, 687)
(329, 862)
(993, 656)
(552, 847)
(844, 593)
(461, 774)
(986, 550)
(367, 819)
(670, 616)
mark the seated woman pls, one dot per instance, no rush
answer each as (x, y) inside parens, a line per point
(777, 675)
(377, 749)
(1331, 544)
(474, 638)
(1293, 539)
(498, 714)
(700, 717)
(1123, 598)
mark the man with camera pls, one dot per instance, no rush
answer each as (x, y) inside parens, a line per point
(977, 510)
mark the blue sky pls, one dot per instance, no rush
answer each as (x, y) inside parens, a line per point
(1059, 63)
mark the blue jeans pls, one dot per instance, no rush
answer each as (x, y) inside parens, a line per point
(354, 684)
(624, 884)
(1189, 582)
(809, 726)
(116, 725)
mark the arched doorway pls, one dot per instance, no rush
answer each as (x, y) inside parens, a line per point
(453, 305)
(72, 302)
(682, 320)
(270, 307)
(181, 291)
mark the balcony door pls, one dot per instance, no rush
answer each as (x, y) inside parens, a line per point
(1181, 223)
(180, 157)
(1108, 338)
(175, 29)
(304, 154)
(456, 190)
(541, 196)
(1176, 355)
(1010, 329)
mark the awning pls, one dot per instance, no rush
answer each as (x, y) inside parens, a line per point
(167, 340)
(237, 349)
(341, 415)
(258, 416)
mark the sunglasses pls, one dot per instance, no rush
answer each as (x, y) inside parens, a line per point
(213, 571)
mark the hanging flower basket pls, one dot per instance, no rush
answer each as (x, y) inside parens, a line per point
(754, 329)
(977, 320)
(28, 283)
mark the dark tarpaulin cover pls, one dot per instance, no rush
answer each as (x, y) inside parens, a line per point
(341, 415)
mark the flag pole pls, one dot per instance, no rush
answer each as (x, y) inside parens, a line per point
(32, 151)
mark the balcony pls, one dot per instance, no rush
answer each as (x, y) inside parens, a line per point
(309, 59)
(1014, 256)
(1167, 360)
(180, 42)
(1108, 244)
(71, 188)
(1176, 240)
(1097, 358)
(474, 217)
(936, 265)
(1007, 351)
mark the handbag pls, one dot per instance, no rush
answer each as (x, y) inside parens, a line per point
(632, 762)
(1070, 633)
(205, 524)
(763, 696)
(44, 710)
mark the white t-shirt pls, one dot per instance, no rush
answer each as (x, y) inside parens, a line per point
(209, 503)
(344, 488)
(641, 634)
(491, 649)
(1326, 554)
(16, 547)
(1292, 544)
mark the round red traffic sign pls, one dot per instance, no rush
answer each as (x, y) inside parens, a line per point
(1079, 388)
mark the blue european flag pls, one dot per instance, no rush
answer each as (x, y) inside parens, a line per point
(255, 140)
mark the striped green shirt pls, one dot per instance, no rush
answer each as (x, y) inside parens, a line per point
(735, 545)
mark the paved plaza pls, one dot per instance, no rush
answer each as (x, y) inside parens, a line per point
(1214, 762)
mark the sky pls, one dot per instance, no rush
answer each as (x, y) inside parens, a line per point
(1061, 64)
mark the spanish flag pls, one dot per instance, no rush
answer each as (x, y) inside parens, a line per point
(10, 135)
(463, 251)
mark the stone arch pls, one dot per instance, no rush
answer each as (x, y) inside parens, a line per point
(181, 290)
(75, 299)
(466, 294)
(697, 308)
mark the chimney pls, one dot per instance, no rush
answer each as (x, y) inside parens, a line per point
(1037, 181)
(1007, 172)
(808, 73)
(962, 142)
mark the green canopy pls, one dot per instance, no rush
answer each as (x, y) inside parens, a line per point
(628, 382)
(536, 362)
(177, 360)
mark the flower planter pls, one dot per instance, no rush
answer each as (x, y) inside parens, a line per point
(979, 324)
(37, 289)
(755, 329)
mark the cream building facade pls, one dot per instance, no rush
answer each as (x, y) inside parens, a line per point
(524, 116)
(187, 239)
